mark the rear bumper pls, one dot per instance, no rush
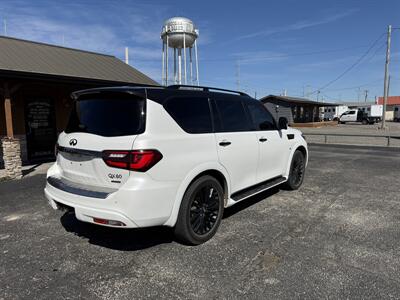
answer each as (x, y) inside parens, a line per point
(140, 202)
(85, 213)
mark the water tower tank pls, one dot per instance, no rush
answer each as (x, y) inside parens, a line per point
(181, 32)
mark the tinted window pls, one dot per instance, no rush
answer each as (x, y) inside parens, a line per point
(192, 114)
(352, 112)
(262, 119)
(116, 115)
(233, 115)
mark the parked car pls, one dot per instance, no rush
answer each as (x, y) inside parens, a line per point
(145, 156)
(372, 116)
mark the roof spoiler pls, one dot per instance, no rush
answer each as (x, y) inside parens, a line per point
(204, 88)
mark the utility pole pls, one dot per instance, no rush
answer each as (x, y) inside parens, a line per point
(386, 84)
(366, 95)
(238, 74)
(5, 27)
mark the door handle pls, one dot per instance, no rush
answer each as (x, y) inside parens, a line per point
(263, 139)
(224, 143)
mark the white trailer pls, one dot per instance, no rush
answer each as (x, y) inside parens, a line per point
(375, 110)
(333, 113)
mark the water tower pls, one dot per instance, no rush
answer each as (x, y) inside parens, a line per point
(179, 33)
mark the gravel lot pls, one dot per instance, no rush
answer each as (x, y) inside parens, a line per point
(337, 237)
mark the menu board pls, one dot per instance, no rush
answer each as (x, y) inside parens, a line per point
(41, 130)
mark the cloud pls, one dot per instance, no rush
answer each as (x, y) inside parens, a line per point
(298, 25)
(252, 57)
(102, 27)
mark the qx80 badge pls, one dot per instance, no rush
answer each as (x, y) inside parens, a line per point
(73, 142)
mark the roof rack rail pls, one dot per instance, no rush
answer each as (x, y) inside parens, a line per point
(205, 89)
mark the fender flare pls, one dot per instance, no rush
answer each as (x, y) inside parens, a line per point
(293, 150)
(210, 166)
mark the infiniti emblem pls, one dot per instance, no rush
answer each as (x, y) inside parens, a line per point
(73, 142)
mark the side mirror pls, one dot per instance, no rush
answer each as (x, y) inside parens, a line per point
(282, 123)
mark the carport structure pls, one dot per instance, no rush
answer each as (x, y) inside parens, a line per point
(36, 81)
(296, 110)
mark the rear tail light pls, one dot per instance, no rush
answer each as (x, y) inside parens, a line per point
(135, 160)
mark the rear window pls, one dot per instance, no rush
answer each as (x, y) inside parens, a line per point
(192, 114)
(108, 115)
(233, 115)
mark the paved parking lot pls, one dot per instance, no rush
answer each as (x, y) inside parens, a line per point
(337, 237)
(392, 130)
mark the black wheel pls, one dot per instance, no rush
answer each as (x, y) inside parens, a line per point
(201, 211)
(364, 122)
(297, 171)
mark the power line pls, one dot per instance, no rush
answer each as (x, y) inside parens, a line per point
(351, 67)
(371, 83)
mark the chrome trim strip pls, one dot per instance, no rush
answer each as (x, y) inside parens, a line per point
(77, 189)
(80, 151)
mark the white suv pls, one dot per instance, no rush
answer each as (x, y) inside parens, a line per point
(145, 156)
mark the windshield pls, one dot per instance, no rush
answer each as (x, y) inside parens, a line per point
(108, 114)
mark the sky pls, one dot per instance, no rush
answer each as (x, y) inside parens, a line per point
(336, 47)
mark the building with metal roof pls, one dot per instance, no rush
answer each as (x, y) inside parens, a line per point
(296, 110)
(36, 81)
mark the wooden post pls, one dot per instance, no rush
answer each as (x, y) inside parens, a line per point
(8, 111)
(9, 125)
(11, 146)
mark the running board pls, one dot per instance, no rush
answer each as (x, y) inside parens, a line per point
(258, 188)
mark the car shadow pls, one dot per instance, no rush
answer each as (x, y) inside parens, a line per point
(143, 238)
(117, 239)
(230, 211)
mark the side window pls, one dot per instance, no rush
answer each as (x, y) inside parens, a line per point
(262, 119)
(233, 115)
(192, 114)
(352, 112)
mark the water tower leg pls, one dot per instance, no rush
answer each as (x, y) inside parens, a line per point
(175, 75)
(197, 62)
(163, 63)
(184, 57)
(180, 65)
(191, 65)
(166, 62)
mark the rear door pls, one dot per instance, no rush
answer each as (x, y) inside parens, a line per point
(236, 140)
(273, 144)
(100, 122)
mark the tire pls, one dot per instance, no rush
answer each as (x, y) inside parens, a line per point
(199, 214)
(297, 171)
(364, 122)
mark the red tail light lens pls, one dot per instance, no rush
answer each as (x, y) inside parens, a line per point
(135, 160)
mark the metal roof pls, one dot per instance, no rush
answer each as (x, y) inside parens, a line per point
(297, 100)
(391, 100)
(24, 56)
